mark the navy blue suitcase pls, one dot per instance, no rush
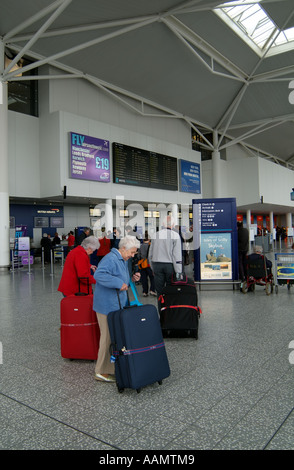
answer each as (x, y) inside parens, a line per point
(137, 347)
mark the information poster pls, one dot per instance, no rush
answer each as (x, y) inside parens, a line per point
(21, 231)
(216, 240)
(190, 177)
(89, 158)
(23, 245)
(215, 215)
(216, 256)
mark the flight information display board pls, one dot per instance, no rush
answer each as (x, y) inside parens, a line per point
(138, 167)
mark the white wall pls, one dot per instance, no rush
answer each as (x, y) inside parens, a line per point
(243, 180)
(90, 189)
(23, 155)
(248, 178)
(39, 152)
(50, 157)
(85, 109)
(276, 183)
(80, 98)
(75, 216)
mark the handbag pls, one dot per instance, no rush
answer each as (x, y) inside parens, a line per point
(143, 263)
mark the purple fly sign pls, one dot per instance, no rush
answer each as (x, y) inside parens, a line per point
(89, 158)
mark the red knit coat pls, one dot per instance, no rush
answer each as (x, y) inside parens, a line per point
(105, 246)
(77, 264)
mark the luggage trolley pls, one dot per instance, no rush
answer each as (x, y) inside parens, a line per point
(58, 253)
(284, 264)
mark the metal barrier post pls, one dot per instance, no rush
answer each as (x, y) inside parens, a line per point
(42, 258)
(62, 256)
(12, 261)
(51, 263)
(29, 262)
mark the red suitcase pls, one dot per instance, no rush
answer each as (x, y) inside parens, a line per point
(79, 330)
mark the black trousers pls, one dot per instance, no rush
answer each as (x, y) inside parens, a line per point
(145, 273)
(242, 265)
(162, 275)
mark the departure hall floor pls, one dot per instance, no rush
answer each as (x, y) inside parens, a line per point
(233, 389)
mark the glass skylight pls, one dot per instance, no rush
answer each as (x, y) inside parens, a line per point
(249, 20)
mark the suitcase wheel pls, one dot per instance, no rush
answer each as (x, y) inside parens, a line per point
(138, 390)
(160, 382)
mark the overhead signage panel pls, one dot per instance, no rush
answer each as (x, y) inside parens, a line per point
(190, 177)
(89, 158)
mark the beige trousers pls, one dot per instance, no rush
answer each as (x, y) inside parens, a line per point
(103, 364)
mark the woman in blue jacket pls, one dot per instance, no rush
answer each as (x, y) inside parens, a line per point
(112, 277)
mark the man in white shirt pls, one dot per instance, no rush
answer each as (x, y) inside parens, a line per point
(165, 255)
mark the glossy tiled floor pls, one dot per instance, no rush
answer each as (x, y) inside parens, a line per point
(231, 389)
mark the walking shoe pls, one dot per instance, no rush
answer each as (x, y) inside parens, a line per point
(145, 295)
(105, 378)
(153, 293)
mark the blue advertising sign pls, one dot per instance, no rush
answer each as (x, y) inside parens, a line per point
(89, 158)
(215, 215)
(216, 256)
(216, 240)
(190, 177)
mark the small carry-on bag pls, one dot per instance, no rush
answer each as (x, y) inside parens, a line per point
(136, 300)
(79, 330)
(179, 312)
(138, 349)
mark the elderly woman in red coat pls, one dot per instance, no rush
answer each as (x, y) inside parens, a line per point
(77, 265)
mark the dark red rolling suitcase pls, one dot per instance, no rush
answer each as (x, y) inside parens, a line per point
(79, 330)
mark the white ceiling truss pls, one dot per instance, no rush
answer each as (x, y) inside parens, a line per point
(201, 50)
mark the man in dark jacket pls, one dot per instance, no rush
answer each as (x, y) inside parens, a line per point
(83, 235)
(46, 243)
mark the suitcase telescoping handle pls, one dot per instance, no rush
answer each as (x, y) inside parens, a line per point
(117, 291)
(88, 286)
(119, 302)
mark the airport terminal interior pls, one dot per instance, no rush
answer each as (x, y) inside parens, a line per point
(232, 389)
(146, 106)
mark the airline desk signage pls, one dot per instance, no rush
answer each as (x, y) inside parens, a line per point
(216, 240)
(89, 158)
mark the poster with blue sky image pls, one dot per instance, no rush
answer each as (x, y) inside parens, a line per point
(216, 256)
